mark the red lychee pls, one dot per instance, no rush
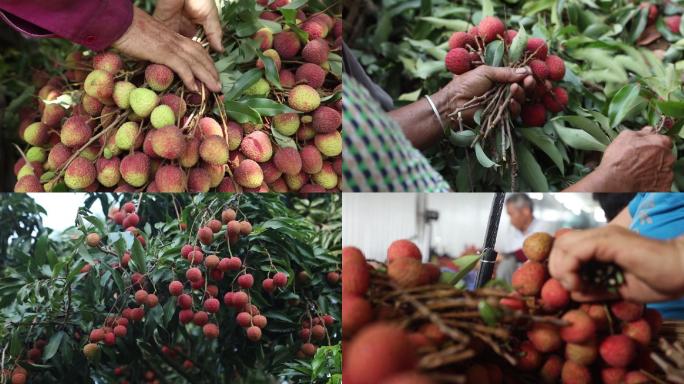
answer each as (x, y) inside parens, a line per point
(554, 296)
(533, 115)
(529, 278)
(537, 47)
(403, 249)
(556, 100)
(556, 67)
(490, 28)
(551, 370)
(673, 23)
(627, 310)
(539, 70)
(581, 328)
(544, 337)
(574, 373)
(356, 312)
(529, 358)
(461, 40)
(355, 274)
(457, 61)
(639, 331)
(618, 350)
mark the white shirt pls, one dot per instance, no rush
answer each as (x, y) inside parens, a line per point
(511, 239)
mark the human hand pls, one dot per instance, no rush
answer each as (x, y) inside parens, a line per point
(477, 82)
(638, 161)
(183, 15)
(149, 39)
(652, 269)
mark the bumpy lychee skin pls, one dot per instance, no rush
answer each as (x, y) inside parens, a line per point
(58, 155)
(52, 115)
(673, 23)
(91, 105)
(198, 180)
(537, 246)
(208, 126)
(556, 67)
(36, 134)
(257, 146)
(122, 94)
(170, 179)
(286, 123)
(326, 119)
(312, 160)
(311, 74)
(135, 169)
(248, 174)
(539, 70)
(544, 337)
(80, 173)
(288, 160)
(490, 28)
(168, 142)
(75, 132)
(529, 358)
(287, 44)
(538, 47)
(36, 154)
(330, 144)
(457, 61)
(158, 76)
(581, 328)
(287, 78)
(327, 178)
(234, 134)
(108, 61)
(28, 183)
(162, 115)
(551, 369)
(143, 101)
(461, 40)
(627, 310)
(529, 278)
(556, 100)
(214, 150)
(533, 115)
(585, 353)
(108, 171)
(261, 88)
(304, 98)
(618, 351)
(575, 373)
(316, 51)
(639, 331)
(99, 84)
(176, 103)
(126, 135)
(554, 296)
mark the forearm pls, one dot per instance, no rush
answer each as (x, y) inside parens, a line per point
(660, 264)
(596, 181)
(419, 122)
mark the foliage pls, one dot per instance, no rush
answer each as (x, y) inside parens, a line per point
(618, 78)
(47, 295)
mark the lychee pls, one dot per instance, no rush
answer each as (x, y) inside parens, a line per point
(304, 98)
(312, 160)
(490, 28)
(574, 373)
(529, 359)
(326, 119)
(286, 123)
(405, 272)
(329, 144)
(168, 142)
(28, 183)
(76, 132)
(80, 173)
(108, 61)
(288, 160)
(637, 377)
(212, 305)
(214, 150)
(544, 337)
(315, 29)
(403, 248)
(581, 328)
(161, 116)
(126, 135)
(584, 354)
(257, 146)
(210, 330)
(254, 333)
(533, 115)
(170, 179)
(287, 44)
(461, 40)
(36, 134)
(265, 37)
(529, 278)
(143, 101)
(287, 78)
(316, 51)
(261, 88)
(554, 296)
(135, 168)
(556, 68)
(639, 331)
(99, 84)
(310, 74)
(551, 369)
(90, 350)
(457, 61)
(618, 350)
(175, 288)
(610, 375)
(273, 55)
(627, 310)
(327, 178)
(556, 100)
(537, 47)
(378, 352)
(122, 94)
(537, 246)
(673, 22)
(52, 115)
(108, 171)
(158, 77)
(245, 281)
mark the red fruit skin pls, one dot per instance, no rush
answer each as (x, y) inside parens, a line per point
(403, 248)
(556, 100)
(529, 359)
(538, 48)
(554, 296)
(461, 40)
(574, 373)
(655, 320)
(637, 377)
(356, 312)
(539, 69)
(490, 28)
(355, 274)
(529, 278)
(639, 331)
(513, 302)
(618, 351)
(581, 328)
(556, 67)
(457, 61)
(544, 337)
(612, 375)
(533, 115)
(673, 22)
(551, 370)
(246, 281)
(626, 310)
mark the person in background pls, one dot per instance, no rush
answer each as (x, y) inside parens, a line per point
(520, 209)
(613, 203)
(100, 24)
(646, 240)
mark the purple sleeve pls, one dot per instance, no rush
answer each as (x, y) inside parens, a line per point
(96, 24)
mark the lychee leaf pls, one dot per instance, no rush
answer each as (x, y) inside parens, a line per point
(282, 140)
(482, 158)
(487, 8)
(530, 170)
(518, 45)
(671, 108)
(625, 103)
(461, 138)
(545, 143)
(488, 313)
(494, 53)
(245, 81)
(450, 24)
(138, 257)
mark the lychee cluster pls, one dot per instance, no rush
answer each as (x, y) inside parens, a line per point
(604, 339)
(467, 52)
(108, 128)
(128, 218)
(313, 331)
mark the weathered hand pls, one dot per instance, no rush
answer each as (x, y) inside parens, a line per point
(652, 268)
(183, 15)
(638, 161)
(149, 39)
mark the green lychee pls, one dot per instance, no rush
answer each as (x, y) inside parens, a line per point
(162, 115)
(122, 94)
(99, 84)
(108, 171)
(326, 178)
(330, 144)
(286, 123)
(36, 154)
(36, 134)
(126, 135)
(135, 169)
(304, 98)
(80, 174)
(261, 88)
(248, 174)
(143, 101)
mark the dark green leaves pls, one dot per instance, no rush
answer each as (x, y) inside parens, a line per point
(53, 345)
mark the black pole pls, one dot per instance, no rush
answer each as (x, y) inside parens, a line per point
(488, 257)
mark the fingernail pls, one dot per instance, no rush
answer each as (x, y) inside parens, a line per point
(521, 71)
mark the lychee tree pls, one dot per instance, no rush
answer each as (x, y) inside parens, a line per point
(177, 288)
(622, 71)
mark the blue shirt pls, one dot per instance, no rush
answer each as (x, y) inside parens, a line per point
(660, 216)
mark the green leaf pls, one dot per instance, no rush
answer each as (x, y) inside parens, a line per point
(241, 112)
(579, 139)
(53, 345)
(282, 140)
(542, 141)
(466, 264)
(138, 257)
(671, 108)
(625, 103)
(482, 158)
(268, 107)
(462, 138)
(494, 53)
(487, 8)
(488, 313)
(530, 170)
(245, 81)
(587, 125)
(518, 45)
(451, 24)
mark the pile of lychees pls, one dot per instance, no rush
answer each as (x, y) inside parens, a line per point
(467, 51)
(606, 340)
(110, 123)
